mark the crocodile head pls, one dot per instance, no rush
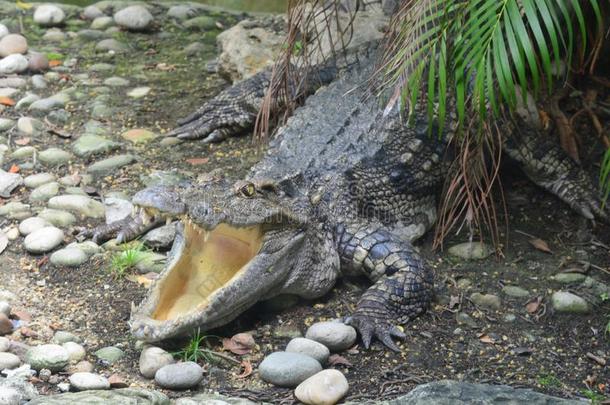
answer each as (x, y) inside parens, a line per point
(235, 245)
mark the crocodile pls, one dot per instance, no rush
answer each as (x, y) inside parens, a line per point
(344, 188)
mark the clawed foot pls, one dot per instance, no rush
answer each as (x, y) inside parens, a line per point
(371, 326)
(124, 230)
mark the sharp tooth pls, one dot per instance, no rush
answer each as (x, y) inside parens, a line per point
(206, 236)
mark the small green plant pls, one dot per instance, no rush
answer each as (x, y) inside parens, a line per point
(604, 296)
(593, 396)
(55, 56)
(198, 348)
(548, 381)
(125, 260)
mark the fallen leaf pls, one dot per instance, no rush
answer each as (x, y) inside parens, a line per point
(599, 360)
(140, 279)
(54, 63)
(22, 141)
(247, 369)
(540, 245)
(7, 101)
(590, 381)
(545, 119)
(3, 241)
(164, 67)
(42, 261)
(532, 306)
(198, 161)
(242, 343)
(485, 338)
(14, 169)
(337, 360)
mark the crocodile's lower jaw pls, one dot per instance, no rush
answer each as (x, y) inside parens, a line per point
(208, 262)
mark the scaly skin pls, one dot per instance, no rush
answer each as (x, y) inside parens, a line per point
(342, 190)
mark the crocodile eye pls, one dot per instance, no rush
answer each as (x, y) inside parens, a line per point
(248, 190)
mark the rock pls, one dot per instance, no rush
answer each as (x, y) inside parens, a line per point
(31, 127)
(138, 92)
(38, 62)
(62, 336)
(194, 49)
(463, 393)
(515, 291)
(92, 12)
(117, 209)
(160, 238)
(24, 151)
(135, 18)
(4, 344)
(88, 381)
(57, 217)
(309, 348)
(89, 144)
(567, 302)
(6, 326)
(152, 359)
(122, 396)
(116, 82)
(181, 12)
(53, 357)
(54, 35)
(9, 360)
(6, 124)
(15, 209)
(103, 167)
(39, 82)
(82, 366)
(201, 23)
(569, 278)
(49, 15)
(68, 257)
(37, 180)
(324, 388)
(102, 22)
(9, 182)
(13, 44)
(44, 192)
(150, 262)
(111, 44)
(43, 240)
(46, 104)
(54, 156)
(138, 135)
(486, 300)
(12, 233)
(26, 101)
(3, 31)
(11, 64)
(29, 225)
(5, 308)
(78, 203)
(463, 318)
(10, 396)
(470, 251)
(179, 376)
(336, 336)
(288, 369)
(110, 354)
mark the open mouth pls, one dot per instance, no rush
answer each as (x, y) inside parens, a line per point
(208, 261)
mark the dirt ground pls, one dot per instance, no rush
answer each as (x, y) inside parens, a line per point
(539, 349)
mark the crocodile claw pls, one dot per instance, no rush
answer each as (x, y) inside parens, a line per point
(371, 326)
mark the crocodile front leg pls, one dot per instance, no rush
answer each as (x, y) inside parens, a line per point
(403, 286)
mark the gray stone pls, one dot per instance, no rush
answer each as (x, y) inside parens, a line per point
(89, 247)
(309, 348)
(138, 92)
(68, 257)
(43, 240)
(52, 357)
(16, 82)
(61, 336)
(201, 23)
(10, 396)
(3, 31)
(54, 156)
(136, 18)
(181, 12)
(39, 82)
(30, 126)
(46, 104)
(49, 15)
(58, 218)
(325, 387)
(117, 209)
(102, 22)
(90, 144)
(6, 124)
(213, 399)
(44, 192)
(37, 180)
(150, 262)
(194, 49)
(9, 360)
(5, 308)
(111, 44)
(101, 67)
(88, 381)
(116, 82)
(567, 302)
(104, 167)
(515, 291)
(26, 101)
(110, 354)
(335, 335)
(288, 369)
(486, 300)
(29, 225)
(179, 376)
(15, 210)
(463, 318)
(80, 204)
(152, 359)
(569, 278)
(92, 12)
(161, 238)
(470, 250)
(54, 35)
(15, 63)
(447, 392)
(9, 182)
(4, 344)
(123, 396)
(13, 44)
(94, 35)
(23, 152)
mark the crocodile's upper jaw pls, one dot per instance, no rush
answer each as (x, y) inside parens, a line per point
(211, 277)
